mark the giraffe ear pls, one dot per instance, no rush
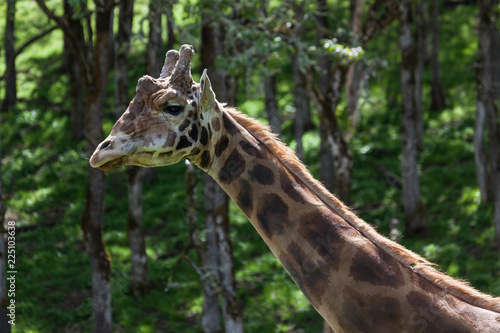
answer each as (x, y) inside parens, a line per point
(207, 98)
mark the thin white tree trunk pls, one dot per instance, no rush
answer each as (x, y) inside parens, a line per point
(101, 298)
(413, 207)
(480, 160)
(231, 311)
(217, 217)
(139, 274)
(211, 316)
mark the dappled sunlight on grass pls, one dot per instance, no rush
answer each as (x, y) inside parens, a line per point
(470, 200)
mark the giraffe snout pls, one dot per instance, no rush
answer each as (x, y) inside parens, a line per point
(106, 156)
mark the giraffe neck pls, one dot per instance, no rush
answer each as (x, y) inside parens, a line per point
(350, 274)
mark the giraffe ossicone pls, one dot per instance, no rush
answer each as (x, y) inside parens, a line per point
(358, 280)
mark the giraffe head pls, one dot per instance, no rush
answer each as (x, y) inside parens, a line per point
(166, 122)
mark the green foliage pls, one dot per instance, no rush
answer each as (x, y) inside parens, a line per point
(44, 174)
(342, 52)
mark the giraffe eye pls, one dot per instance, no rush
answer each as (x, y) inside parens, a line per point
(173, 109)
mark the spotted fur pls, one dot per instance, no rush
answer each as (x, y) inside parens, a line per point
(401, 255)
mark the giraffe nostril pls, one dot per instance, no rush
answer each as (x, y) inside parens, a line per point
(105, 145)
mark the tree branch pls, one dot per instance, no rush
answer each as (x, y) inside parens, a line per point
(73, 44)
(25, 45)
(376, 21)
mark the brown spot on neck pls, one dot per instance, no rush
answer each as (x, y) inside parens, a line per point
(375, 266)
(253, 150)
(325, 232)
(233, 167)
(204, 136)
(262, 174)
(428, 314)
(244, 198)
(310, 275)
(272, 214)
(205, 160)
(221, 145)
(367, 313)
(293, 189)
(229, 124)
(216, 124)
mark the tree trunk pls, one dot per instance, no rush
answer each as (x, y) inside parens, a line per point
(342, 156)
(488, 91)
(93, 213)
(191, 182)
(77, 93)
(413, 206)
(357, 76)
(122, 46)
(4, 300)
(302, 105)
(483, 175)
(231, 310)
(302, 120)
(92, 223)
(77, 99)
(155, 52)
(331, 136)
(10, 65)
(357, 72)
(95, 74)
(139, 276)
(212, 47)
(437, 92)
(356, 14)
(271, 104)
(488, 86)
(211, 316)
(170, 25)
(4, 319)
(233, 320)
(421, 53)
(326, 170)
(100, 262)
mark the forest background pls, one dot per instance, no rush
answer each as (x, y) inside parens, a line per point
(141, 250)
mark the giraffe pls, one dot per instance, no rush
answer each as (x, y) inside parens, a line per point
(358, 280)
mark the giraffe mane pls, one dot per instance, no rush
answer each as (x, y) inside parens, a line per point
(416, 263)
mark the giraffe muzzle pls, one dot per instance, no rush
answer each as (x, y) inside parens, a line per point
(105, 157)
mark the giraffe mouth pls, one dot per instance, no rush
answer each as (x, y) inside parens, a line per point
(112, 165)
